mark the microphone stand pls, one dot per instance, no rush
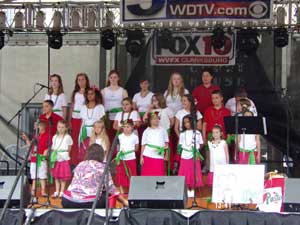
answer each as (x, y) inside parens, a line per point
(236, 137)
(288, 125)
(18, 114)
(101, 183)
(194, 203)
(35, 198)
(19, 174)
(48, 203)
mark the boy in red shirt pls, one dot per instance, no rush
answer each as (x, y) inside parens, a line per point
(202, 93)
(214, 115)
(50, 117)
(38, 158)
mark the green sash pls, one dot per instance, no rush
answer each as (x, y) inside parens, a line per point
(106, 117)
(120, 156)
(56, 110)
(251, 160)
(83, 133)
(115, 110)
(76, 111)
(193, 150)
(142, 114)
(169, 131)
(209, 138)
(230, 138)
(40, 159)
(161, 151)
(53, 156)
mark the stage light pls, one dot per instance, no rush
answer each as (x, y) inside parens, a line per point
(2, 39)
(40, 20)
(57, 19)
(108, 39)
(91, 21)
(281, 37)
(247, 41)
(2, 20)
(19, 18)
(109, 18)
(280, 16)
(165, 39)
(55, 39)
(218, 38)
(135, 42)
(75, 20)
(298, 15)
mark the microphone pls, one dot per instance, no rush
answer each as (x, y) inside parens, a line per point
(42, 85)
(35, 139)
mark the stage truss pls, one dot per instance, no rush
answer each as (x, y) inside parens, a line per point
(107, 14)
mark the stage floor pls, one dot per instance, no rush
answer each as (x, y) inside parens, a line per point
(203, 198)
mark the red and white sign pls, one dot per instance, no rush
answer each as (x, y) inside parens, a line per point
(194, 49)
(272, 200)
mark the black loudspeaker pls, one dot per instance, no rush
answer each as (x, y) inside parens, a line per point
(164, 192)
(6, 183)
(291, 199)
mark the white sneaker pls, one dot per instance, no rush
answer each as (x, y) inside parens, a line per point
(190, 194)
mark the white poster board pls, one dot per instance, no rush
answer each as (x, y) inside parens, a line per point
(238, 184)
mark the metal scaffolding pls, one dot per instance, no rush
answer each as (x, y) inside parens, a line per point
(83, 16)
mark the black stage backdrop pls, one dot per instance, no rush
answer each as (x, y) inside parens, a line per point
(13, 217)
(168, 217)
(56, 217)
(257, 72)
(151, 217)
(157, 217)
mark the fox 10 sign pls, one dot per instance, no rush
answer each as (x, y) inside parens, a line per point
(174, 10)
(194, 49)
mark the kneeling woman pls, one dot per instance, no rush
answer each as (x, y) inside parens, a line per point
(82, 190)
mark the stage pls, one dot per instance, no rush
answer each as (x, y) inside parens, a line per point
(151, 216)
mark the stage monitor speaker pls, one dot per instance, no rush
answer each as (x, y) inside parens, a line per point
(6, 183)
(291, 199)
(164, 192)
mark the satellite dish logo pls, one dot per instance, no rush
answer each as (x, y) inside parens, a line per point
(144, 8)
(258, 9)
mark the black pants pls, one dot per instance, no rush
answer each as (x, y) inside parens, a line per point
(66, 203)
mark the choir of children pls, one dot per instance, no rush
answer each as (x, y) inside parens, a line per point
(148, 128)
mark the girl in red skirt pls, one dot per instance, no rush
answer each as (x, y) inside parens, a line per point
(126, 161)
(166, 115)
(154, 148)
(60, 159)
(77, 101)
(189, 152)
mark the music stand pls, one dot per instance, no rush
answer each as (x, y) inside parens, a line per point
(245, 125)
